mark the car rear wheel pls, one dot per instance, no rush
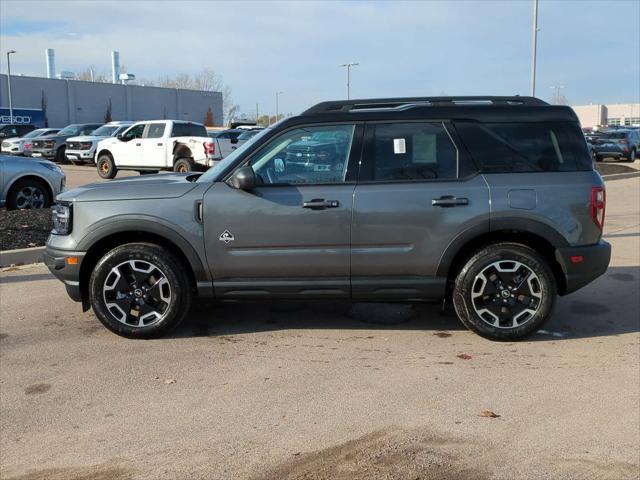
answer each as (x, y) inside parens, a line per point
(632, 156)
(106, 167)
(184, 165)
(28, 194)
(505, 291)
(140, 290)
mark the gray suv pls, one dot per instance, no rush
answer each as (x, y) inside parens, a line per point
(489, 203)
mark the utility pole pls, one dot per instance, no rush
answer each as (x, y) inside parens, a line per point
(257, 114)
(9, 84)
(277, 111)
(534, 47)
(348, 67)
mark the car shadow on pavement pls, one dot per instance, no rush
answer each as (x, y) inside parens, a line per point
(609, 306)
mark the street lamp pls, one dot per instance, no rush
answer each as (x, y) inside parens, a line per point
(534, 47)
(277, 95)
(9, 84)
(348, 66)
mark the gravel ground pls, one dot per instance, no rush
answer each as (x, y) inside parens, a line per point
(24, 228)
(613, 168)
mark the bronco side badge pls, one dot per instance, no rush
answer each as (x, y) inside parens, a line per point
(226, 237)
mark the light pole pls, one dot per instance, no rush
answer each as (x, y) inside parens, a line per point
(9, 84)
(556, 93)
(348, 67)
(277, 111)
(534, 47)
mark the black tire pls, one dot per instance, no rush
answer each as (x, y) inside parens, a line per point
(147, 172)
(28, 194)
(60, 154)
(167, 314)
(632, 156)
(106, 167)
(490, 297)
(183, 165)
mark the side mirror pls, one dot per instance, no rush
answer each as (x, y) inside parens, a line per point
(244, 179)
(234, 141)
(120, 137)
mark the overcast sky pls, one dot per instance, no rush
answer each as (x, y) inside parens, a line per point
(592, 48)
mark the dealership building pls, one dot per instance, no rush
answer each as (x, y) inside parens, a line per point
(62, 102)
(618, 114)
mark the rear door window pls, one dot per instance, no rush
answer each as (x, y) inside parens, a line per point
(155, 130)
(525, 147)
(410, 151)
(188, 130)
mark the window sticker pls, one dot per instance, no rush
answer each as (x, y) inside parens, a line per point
(399, 146)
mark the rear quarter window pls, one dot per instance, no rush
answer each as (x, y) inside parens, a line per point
(526, 147)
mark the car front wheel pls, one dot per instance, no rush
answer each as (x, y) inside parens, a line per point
(140, 290)
(106, 167)
(505, 291)
(28, 193)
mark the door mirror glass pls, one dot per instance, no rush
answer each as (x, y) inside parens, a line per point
(244, 179)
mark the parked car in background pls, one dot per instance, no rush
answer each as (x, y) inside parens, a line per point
(54, 146)
(82, 149)
(14, 130)
(27, 183)
(490, 204)
(150, 146)
(16, 145)
(227, 140)
(246, 135)
(621, 144)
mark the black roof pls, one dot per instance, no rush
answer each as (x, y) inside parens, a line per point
(478, 108)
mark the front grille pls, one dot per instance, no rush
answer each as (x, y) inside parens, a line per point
(79, 145)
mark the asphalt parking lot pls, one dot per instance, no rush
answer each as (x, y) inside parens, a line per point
(321, 390)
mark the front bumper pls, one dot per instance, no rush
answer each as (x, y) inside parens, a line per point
(67, 273)
(82, 155)
(43, 153)
(582, 265)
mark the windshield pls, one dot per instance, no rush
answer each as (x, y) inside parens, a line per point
(212, 174)
(105, 131)
(70, 130)
(35, 133)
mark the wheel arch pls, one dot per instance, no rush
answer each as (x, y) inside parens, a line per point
(540, 237)
(101, 240)
(32, 176)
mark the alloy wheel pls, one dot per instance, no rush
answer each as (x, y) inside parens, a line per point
(30, 197)
(506, 294)
(137, 293)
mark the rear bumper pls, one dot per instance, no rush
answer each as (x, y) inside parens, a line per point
(56, 261)
(578, 273)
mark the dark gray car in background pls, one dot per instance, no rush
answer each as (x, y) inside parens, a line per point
(53, 146)
(490, 203)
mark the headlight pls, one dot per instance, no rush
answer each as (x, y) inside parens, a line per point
(61, 215)
(51, 166)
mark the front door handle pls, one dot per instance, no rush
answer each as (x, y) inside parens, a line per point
(138, 144)
(159, 144)
(321, 204)
(449, 201)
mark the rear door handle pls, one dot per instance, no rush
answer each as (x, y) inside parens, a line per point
(321, 204)
(449, 201)
(159, 144)
(138, 144)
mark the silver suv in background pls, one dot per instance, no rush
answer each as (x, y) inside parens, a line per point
(80, 150)
(28, 183)
(488, 203)
(16, 145)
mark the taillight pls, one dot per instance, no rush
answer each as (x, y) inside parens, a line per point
(598, 203)
(209, 148)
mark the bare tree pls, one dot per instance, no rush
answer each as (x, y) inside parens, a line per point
(208, 81)
(91, 74)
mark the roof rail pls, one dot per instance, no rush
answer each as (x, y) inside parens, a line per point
(412, 102)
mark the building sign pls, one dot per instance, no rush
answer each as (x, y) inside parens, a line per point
(23, 116)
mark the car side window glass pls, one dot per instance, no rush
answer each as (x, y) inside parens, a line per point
(412, 151)
(525, 147)
(306, 155)
(134, 132)
(155, 130)
(10, 132)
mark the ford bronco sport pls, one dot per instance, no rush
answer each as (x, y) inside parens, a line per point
(490, 203)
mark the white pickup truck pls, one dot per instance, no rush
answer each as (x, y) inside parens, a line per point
(151, 146)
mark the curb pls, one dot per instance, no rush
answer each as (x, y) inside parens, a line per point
(620, 176)
(21, 256)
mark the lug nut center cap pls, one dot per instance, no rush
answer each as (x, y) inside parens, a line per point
(504, 293)
(137, 292)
